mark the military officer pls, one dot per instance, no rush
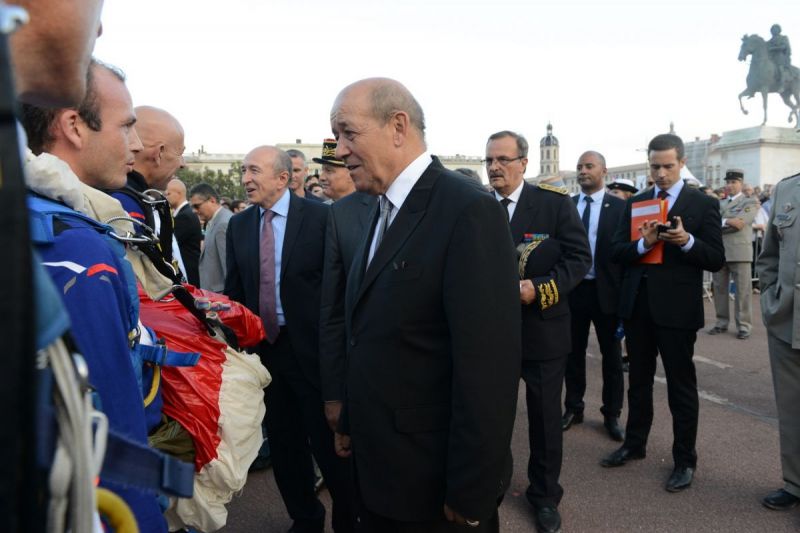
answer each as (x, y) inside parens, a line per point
(546, 215)
(780, 307)
(738, 212)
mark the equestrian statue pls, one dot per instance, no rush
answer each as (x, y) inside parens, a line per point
(771, 71)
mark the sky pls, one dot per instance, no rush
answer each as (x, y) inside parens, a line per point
(608, 75)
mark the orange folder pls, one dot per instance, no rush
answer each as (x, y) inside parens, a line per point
(649, 210)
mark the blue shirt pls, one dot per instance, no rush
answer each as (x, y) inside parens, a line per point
(281, 210)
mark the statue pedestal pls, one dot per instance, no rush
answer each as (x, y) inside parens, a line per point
(767, 154)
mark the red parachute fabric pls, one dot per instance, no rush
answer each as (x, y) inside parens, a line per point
(191, 394)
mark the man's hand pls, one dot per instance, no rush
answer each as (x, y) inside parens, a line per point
(453, 516)
(677, 236)
(527, 292)
(649, 232)
(341, 444)
(735, 223)
(332, 412)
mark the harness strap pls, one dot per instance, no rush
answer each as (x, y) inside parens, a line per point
(161, 356)
(133, 464)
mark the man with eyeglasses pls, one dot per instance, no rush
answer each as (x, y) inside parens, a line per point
(204, 201)
(545, 216)
(154, 166)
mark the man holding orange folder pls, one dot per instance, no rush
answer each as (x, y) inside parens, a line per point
(661, 301)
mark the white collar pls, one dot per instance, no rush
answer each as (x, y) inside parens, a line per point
(400, 188)
(178, 209)
(515, 194)
(596, 196)
(673, 191)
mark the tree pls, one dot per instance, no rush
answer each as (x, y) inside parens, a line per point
(226, 184)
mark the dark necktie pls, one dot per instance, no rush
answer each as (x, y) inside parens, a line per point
(267, 304)
(382, 223)
(587, 212)
(505, 202)
(662, 195)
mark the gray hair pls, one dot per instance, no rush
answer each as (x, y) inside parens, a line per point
(522, 143)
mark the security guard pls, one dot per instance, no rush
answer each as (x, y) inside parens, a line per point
(738, 212)
(779, 275)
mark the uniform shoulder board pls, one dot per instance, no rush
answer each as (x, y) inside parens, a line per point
(553, 188)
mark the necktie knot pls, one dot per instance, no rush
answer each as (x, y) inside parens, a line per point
(588, 199)
(662, 195)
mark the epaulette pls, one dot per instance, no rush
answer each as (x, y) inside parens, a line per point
(553, 188)
(790, 177)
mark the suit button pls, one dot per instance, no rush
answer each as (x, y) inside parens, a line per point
(353, 341)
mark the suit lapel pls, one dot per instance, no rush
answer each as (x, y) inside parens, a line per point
(356, 274)
(252, 234)
(294, 221)
(521, 217)
(680, 202)
(411, 212)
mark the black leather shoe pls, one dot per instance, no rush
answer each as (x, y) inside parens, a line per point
(621, 456)
(569, 419)
(614, 430)
(780, 500)
(548, 520)
(680, 479)
(716, 330)
(743, 335)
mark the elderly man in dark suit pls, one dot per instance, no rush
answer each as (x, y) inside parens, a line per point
(662, 305)
(543, 214)
(595, 300)
(274, 266)
(432, 319)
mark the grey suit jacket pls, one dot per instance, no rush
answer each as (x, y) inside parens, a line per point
(777, 266)
(212, 258)
(738, 243)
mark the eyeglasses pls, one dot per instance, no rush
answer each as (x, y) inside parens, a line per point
(504, 161)
(197, 206)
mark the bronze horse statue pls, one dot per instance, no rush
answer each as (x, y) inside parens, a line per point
(764, 78)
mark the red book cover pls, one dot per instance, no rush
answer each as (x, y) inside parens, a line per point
(649, 210)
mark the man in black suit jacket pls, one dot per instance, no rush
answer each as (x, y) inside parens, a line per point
(662, 305)
(595, 300)
(348, 221)
(188, 231)
(544, 212)
(285, 292)
(432, 328)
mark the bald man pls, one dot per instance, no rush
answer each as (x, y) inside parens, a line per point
(154, 166)
(188, 229)
(432, 316)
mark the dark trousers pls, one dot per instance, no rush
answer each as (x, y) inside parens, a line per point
(584, 307)
(543, 381)
(297, 427)
(676, 346)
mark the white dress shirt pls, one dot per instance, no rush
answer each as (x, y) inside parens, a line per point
(514, 197)
(672, 196)
(398, 192)
(594, 220)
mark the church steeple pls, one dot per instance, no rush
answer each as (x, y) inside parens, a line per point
(548, 153)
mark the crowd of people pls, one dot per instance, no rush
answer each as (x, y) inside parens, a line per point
(395, 304)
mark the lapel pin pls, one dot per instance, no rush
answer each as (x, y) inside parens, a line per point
(606, 205)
